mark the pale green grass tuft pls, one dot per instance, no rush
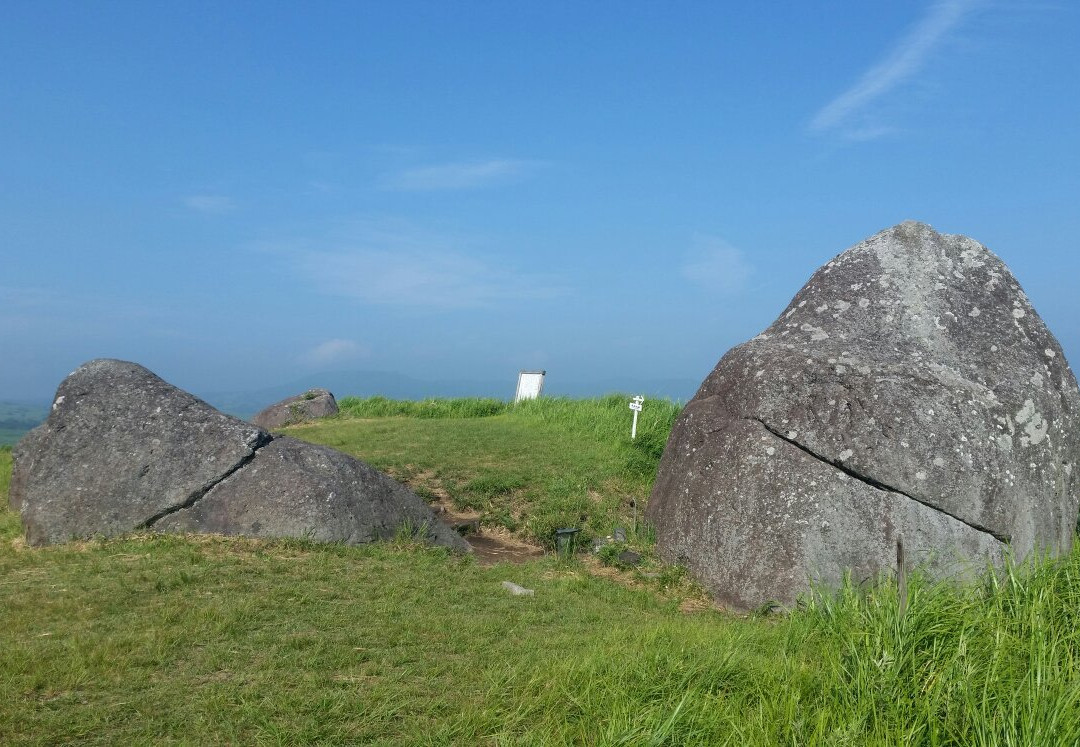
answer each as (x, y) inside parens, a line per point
(381, 407)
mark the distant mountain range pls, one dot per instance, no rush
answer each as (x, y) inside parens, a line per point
(16, 418)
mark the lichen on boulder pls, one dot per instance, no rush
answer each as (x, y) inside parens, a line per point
(908, 393)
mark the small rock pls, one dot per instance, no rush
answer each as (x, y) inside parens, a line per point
(517, 591)
(629, 557)
(312, 404)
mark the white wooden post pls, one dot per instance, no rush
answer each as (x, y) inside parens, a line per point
(635, 405)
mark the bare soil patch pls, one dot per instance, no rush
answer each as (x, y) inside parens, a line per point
(490, 545)
(496, 545)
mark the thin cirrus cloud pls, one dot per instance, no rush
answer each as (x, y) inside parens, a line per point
(212, 204)
(405, 267)
(465, 175)
(716, 265)
(333, 351)
(434, 279)
(846, 112)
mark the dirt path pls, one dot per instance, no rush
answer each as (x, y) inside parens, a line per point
(490, 545)
(496, 545)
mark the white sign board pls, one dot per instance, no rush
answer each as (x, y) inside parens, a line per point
(635, 405)
(530, 384)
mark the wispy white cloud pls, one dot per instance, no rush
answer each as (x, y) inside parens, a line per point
(903, 62)
(398, 265)
(468, 175)
(420, 278)
(716, 265)
(213, 204)
(331, 352)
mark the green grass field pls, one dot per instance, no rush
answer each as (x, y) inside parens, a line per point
(157, 640)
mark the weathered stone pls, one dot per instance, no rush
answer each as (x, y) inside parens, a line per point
(119, 447)
(22, 459)
(295, 489)
(909, 390)
(312, 404)
(123, 450)
(516, 590)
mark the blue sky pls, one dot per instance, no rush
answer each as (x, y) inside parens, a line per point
(241, 194)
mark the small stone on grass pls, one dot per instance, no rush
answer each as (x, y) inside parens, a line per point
(517, 591)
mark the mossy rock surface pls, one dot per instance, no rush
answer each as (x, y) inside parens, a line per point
(311, 405)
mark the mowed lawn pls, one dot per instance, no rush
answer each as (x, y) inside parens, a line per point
(156, 640)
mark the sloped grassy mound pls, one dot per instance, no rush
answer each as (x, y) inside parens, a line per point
(532, 467)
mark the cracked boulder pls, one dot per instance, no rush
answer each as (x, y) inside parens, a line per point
(312, 404)
(122, 450)
(908, 395)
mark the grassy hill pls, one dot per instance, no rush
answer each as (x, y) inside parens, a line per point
(158, 639)
(531, 467)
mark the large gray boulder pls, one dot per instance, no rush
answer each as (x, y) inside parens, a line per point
(909, 393)
(312, 404)
(123, 450)
(304, 490)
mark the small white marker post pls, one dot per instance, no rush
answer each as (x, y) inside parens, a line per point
(635, 405)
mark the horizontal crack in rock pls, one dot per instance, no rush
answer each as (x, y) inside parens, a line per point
(199, 494)
(1003, 538)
